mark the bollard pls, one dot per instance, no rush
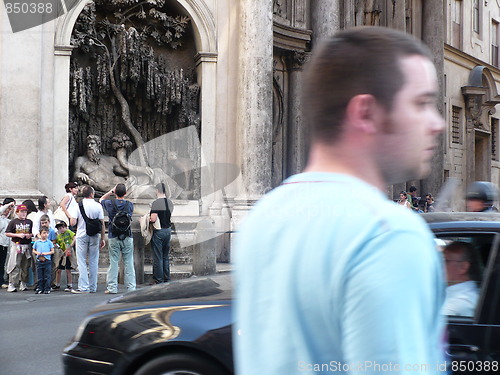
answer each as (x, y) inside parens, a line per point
(204, 257)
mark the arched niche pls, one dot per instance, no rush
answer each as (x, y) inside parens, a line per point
(201, 16)
(480, 97)
(206, 58)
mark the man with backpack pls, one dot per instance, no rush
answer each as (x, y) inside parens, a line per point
(120, 238)
(89, 238)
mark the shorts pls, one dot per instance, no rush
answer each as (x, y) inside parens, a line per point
(67, 266)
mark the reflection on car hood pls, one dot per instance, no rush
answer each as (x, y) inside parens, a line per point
(217, 287)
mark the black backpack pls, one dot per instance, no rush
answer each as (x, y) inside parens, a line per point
(92, 226)
(120, 225)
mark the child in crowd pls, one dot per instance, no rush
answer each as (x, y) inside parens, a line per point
(5, 216)
(66, 242)
(45, 222)
(19, 230)
(43, 249)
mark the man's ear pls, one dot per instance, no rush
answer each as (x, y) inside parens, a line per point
(364, 113)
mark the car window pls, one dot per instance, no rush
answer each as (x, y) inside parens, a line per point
(465, 258)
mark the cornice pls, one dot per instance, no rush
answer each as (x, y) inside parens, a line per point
(467, 61)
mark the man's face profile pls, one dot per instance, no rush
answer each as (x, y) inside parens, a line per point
(413, 124)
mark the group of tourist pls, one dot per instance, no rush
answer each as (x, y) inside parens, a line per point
(72, 237)
(412, 201)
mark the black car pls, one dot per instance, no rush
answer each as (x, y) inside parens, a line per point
(474, 341)
(184, 327)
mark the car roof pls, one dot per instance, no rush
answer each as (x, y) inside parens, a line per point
(463, 221)
(208, 288)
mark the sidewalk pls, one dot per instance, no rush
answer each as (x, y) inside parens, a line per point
(177, 272)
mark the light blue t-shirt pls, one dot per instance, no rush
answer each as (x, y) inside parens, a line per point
(332, 277)
(44, 247)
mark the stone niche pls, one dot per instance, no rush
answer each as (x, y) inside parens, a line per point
(134, 89)
(133, 84)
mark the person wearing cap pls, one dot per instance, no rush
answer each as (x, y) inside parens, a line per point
(20, 232)
(481, 197)
(5, 216)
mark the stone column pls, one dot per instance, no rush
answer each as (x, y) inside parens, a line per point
(433, 36)
(297, 137)
(326, 18)
(206, 63)
(254, 121)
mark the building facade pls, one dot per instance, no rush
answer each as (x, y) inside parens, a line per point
(248, 58)
(471, 76)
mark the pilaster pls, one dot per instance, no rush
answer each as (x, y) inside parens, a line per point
(60, 139)
(433, 36)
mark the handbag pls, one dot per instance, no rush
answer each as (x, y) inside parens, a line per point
(59, 215)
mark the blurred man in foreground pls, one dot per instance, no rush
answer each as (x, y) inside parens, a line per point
(330, 273)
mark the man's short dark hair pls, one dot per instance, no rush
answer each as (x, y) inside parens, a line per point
(361, 60)
(87, 191)
(412, 189)
(161, 188)
(120, 190)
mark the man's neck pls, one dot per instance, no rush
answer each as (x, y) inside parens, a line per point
(325, 158)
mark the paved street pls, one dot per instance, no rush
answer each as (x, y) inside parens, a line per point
(35, 328)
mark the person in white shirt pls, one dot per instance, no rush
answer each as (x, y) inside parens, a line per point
(43, 209)
(462, 292)
(85, 244)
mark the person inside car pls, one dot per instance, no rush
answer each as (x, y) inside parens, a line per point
(462, 269)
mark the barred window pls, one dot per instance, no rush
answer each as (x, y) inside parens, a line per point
(456, 125)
